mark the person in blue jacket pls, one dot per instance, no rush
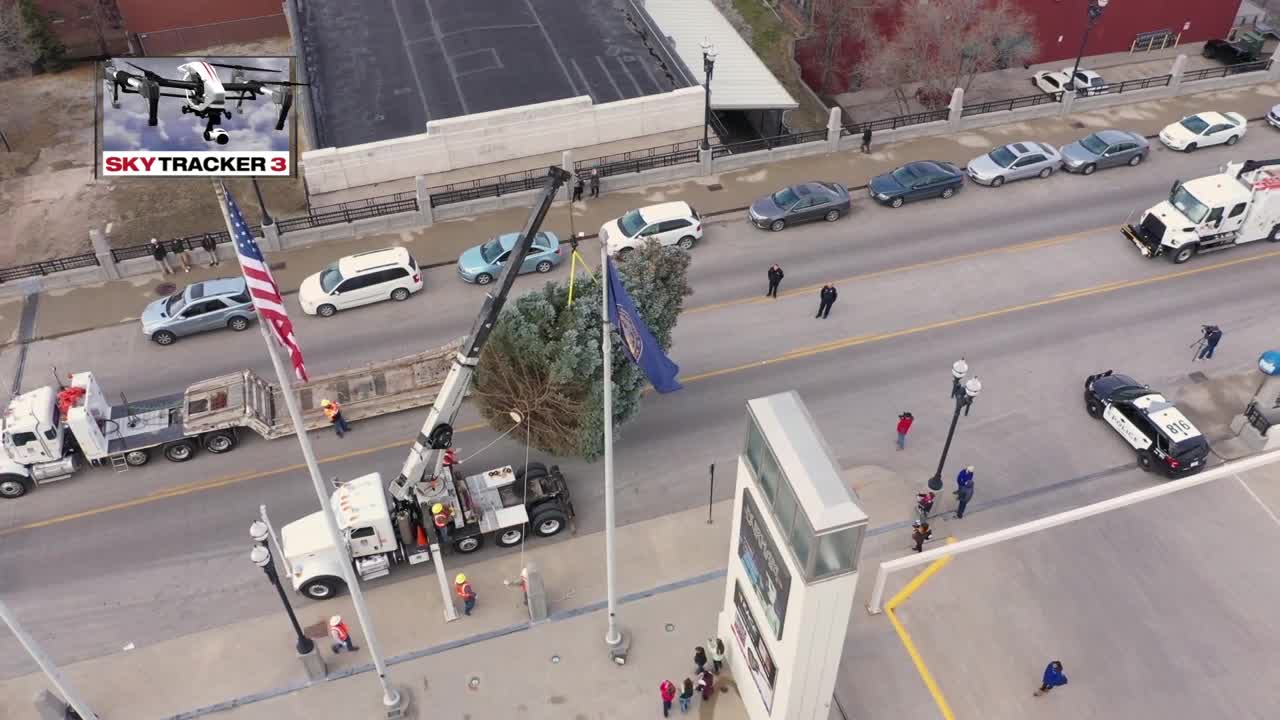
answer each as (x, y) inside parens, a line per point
(964, 490)
(1053, 677)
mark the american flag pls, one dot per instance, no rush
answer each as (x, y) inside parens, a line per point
(262, 286)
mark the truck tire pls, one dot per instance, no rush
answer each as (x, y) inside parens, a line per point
(321, 588)
(14, 486)
(549, 522)
(536, 470)
(219, 441)
(137, 458)
(180, 451)
(509, 537)
(468, 544)
(1184, 253)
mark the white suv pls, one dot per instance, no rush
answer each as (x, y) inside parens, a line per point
(360, 279)
(672, 223)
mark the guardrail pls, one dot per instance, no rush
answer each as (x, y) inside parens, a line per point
(768, 143)
(351, 211)
(495, 186)
(895, 122)
(190, 242)
(46, 267)
(639, 160)
(1010, 104)
(1218, 72)
(1129, 86)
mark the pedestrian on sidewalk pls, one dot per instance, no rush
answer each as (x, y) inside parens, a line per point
(686, 695)
(775, 279)
(706, 683)
(668, 691)
(964, 490)
(180, 252)
(699, 658)
(826, 298)
(464, 590)
(210, 246)
(717, 653)
(577, 188)
(595, 182)
(904, 426)
(161, 254)
(340, 635)
(924, 505)
(866, 139)
(920, 532)
(1053, 677)
(334, 413)
(1209, 342)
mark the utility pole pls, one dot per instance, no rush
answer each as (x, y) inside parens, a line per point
(50, 670)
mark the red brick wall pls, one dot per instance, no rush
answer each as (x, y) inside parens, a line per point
(1114, 32)
(174, 26)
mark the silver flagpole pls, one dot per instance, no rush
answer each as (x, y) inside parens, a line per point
(50, 670)
(390, 696)
(613, 637)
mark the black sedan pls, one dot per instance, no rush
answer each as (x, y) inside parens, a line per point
(916, 181)
(800, 203)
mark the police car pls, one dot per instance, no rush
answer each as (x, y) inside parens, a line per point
(1163, 437)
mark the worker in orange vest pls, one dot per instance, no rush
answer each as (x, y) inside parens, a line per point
(441, 517)
(334, 413)
(340, 635)
(466, 592)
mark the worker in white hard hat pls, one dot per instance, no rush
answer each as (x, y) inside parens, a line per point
(340, 635)
(462, 588)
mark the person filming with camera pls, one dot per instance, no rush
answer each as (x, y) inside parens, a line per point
(1210, 336)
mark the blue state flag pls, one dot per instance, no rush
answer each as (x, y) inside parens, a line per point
(639, 343)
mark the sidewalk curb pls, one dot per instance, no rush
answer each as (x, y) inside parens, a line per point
(445, 647)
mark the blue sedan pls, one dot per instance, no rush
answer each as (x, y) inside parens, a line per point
(482, 263)
(916, 181)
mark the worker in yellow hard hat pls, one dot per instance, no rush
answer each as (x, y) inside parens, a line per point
(334, 413)
(464, 590)
(441, 517)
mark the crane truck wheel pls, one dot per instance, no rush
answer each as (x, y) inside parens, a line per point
(510, 537)
(13, 486)
(180, 451)
(549, 522)
(137, 458)
(321, 588)
(1184, 253)
(468, 544)
(535, 470)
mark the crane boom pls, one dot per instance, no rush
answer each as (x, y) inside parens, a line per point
(436, 435)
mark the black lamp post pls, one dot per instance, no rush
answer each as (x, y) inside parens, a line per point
(261, 556)
(708, 67)
(1095, 11)
(266, 218)
(963, 392)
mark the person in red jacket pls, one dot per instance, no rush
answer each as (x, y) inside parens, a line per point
(668, 691)
(904, 426)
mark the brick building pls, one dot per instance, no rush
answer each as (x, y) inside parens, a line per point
(160, 27)
(1058, 25)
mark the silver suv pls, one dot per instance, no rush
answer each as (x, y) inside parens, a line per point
(202, 306)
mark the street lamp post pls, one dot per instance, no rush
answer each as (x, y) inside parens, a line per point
(266, 217)
(1095, 11)
(708, 67)
(261, 557)
(963, 392)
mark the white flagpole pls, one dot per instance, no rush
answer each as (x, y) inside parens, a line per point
(613, 637)
(390, 696)
(50, 670)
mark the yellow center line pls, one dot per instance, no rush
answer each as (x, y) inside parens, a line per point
(809, 289)
(905, 638)
(796, 354)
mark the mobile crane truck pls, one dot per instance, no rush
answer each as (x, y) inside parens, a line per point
(503, 503)
(1238, 205)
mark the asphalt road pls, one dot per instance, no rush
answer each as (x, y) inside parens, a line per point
(1031, 283)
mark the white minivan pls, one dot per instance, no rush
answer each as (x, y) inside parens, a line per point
(670, 223)
(360, 279)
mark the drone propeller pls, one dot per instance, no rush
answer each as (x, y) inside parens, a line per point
(245, 67)
(285, 103)
(149, 75)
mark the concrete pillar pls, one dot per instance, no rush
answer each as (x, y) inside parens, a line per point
(1068, 99)
(425, 214)
(102, 249)
(535, 592)
(1179, 68)
(566, 164)
(704, 160)
(1274, 70)
(271, 238)
(833, 130)
(956, 109)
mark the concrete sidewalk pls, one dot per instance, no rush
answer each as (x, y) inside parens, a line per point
(490, 665)
(76, 309)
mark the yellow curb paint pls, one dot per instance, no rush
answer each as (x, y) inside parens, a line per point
(905, 638)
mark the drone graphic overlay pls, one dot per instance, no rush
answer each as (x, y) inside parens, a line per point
(197, 116)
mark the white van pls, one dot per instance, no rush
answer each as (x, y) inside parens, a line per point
(671, 223)
(368, 277)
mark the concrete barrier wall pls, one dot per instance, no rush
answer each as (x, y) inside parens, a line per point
(500, 136)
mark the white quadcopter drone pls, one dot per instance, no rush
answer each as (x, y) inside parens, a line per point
(205, 93)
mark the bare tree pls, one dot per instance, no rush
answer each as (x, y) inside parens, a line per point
(17, 52)
(944, 44)
(834, 23)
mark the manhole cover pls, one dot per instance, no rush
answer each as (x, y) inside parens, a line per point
(1078, 125)
(715, 186)
(165, 289)
(1198, 377)
(670, 627)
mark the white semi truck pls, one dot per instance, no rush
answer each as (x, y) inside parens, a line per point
(49, 433)
(503, 503)
(1238, 205)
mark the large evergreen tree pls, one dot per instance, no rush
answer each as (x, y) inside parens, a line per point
(543, 359)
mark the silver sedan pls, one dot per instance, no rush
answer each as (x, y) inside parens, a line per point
(1015, 161)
